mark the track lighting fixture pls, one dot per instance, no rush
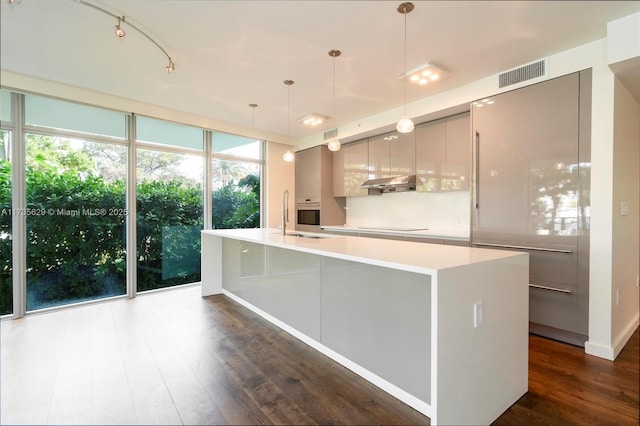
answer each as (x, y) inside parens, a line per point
(405, 125)
(120, 32)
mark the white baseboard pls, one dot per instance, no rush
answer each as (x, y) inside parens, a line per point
(610, 352)
(625, 335)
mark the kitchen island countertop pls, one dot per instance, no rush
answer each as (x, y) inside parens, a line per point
(402, 255)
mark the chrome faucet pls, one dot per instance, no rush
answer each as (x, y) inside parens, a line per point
(285, 211)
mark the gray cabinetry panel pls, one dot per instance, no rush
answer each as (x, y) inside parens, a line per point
(350, 169)
(443, 154)
(527, 158)
(308, 174)
(392, 154)
(431, 141)
(283, 283)
(531, 171)
(373, 314)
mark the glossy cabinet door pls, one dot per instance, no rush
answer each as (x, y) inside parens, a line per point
(526, 151)
(351, 169)
(392, 154)
(457, 172)
(308, 172)
(531, 194)
(443, 154)
(431, 142)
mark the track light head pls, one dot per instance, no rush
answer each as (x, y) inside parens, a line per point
(118, 28)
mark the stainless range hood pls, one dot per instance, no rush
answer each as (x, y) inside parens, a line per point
(390, 184)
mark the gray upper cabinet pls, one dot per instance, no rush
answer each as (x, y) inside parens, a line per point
(392, 154)
(431, 141)
(350, 169)
(308, 174)
(458, 158)
(443, 154)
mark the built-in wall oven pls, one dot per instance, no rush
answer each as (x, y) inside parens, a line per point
(308, 214)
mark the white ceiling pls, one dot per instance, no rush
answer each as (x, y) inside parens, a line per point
(229, 54)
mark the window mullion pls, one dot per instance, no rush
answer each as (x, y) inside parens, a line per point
(18, 203)
(132, 259)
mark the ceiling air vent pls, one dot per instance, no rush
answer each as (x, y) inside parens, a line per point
(330, 134)
(524, 73)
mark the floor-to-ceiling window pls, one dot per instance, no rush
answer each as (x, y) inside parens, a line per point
(6, 250)
(169, 199)
(236, 169)
(6, 268)
(111, 203)
(75, 203)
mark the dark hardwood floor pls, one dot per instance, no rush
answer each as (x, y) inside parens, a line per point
(569, 387)
(173, 357)
(566, 386)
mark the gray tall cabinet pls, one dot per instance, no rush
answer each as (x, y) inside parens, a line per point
(531, 159)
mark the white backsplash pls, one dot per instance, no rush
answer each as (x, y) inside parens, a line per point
(432, 210)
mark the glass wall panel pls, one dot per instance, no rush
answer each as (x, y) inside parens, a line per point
(76, 215)
(238, 146)
(6, 268)
(56, 114)
(236, 194)
(5, 105)
(167, 133)
(169, 218)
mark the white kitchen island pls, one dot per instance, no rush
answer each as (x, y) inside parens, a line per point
(442, 328)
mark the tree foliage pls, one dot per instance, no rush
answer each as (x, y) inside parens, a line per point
(76, 243)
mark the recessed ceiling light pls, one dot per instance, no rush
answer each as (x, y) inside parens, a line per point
(423, 74)
(313, 119)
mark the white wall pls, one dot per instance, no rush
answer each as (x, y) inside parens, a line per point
(279, 175)
(626, 228)
(432, 210)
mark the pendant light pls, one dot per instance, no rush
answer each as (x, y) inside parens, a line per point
(334, 142)
(288, 156)
(405, 125)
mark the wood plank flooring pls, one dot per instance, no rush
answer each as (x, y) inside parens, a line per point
(172, 357)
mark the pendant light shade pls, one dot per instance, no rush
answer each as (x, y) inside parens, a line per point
(406, 124)
(334, 143)
(288, 156)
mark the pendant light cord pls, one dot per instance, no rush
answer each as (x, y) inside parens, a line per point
(334, 91)
(405, 60)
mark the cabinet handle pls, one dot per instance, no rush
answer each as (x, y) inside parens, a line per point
(477, 169)
(523, 247)
(544, 287)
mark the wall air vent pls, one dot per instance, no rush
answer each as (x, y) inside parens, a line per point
(329, 134)
(524, 73)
